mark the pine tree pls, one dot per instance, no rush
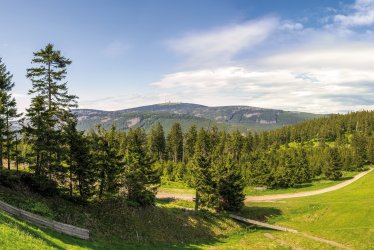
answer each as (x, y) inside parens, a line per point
(236, 146)
(202, 145)
(230, 186)
(50, 102)
(47, 79)
(370, 150)
(108, 160)
(359, 146)
(175, 143)
(156, 142)
(79, 160)
(139, 178)
(8, 114)
(333, 165)
(35, 130)
(202, 181)
(189, 143)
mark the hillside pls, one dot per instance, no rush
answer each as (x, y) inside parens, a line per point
(113, 224)
(225, 117)
(342, 216)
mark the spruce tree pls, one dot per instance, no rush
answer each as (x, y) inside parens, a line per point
(156, 142)
(108, 160)
(359, 146)
(189, 143)
(333, 167)
(175, 143)
(79, 160)
(140, 180)
(370, 150)
(230, 186)
(35, 129)
(51, 100)
(202, 181)
(236, 145)
(202, 145)
(8, 114)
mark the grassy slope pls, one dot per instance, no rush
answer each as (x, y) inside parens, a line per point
(113, 225)
(345, 216)
(317, 183)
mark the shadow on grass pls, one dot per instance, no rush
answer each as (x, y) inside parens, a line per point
(346, 178)
(172, 226)
(28, 229)
(309, 184)
(259, 213)
(165, 201)
(116, 225)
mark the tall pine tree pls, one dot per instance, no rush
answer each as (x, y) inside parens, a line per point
(139, 178)
(50, 102)
(8, 114)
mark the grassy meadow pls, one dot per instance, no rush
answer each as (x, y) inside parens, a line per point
(175, 187)
(345, 216)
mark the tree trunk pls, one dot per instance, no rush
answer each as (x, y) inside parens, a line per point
(37, 169)
(80, 186)
(1, 151)
(71, 174)
(16, 153)
(49, 87)
(71, 182)
(8, 141)
(197, 200)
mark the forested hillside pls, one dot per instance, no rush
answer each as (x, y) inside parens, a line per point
(276, 159)
(231, 118)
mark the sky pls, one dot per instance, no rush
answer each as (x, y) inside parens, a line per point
(313, 56)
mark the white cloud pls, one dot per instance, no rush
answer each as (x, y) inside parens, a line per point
(351, 55)
(290, 26)
(127, 101)
(316, 80)
(323, 70)
(361, 13)
(221, 45)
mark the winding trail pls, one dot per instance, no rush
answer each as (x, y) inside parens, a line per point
(274, 197)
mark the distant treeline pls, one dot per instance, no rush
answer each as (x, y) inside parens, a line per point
(280, 158)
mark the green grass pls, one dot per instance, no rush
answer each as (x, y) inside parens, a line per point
(315, 184)
(345, 216)
(173, 187)
(113, 224)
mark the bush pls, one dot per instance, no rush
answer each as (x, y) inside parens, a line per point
(8, 179)
(40, 184)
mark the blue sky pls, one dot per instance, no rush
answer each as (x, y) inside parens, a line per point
(314, 56)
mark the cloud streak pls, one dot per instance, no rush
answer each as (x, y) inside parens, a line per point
(361, 13)
(220, 45)
(322, 70)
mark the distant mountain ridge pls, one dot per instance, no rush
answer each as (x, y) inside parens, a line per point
(225, 117)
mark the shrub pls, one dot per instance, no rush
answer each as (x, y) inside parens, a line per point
(40, 184)
(8, 179)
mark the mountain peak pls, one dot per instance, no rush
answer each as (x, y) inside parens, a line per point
(225, 117)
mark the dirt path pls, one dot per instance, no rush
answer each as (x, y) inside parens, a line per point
(306, 193)
(275, 196)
